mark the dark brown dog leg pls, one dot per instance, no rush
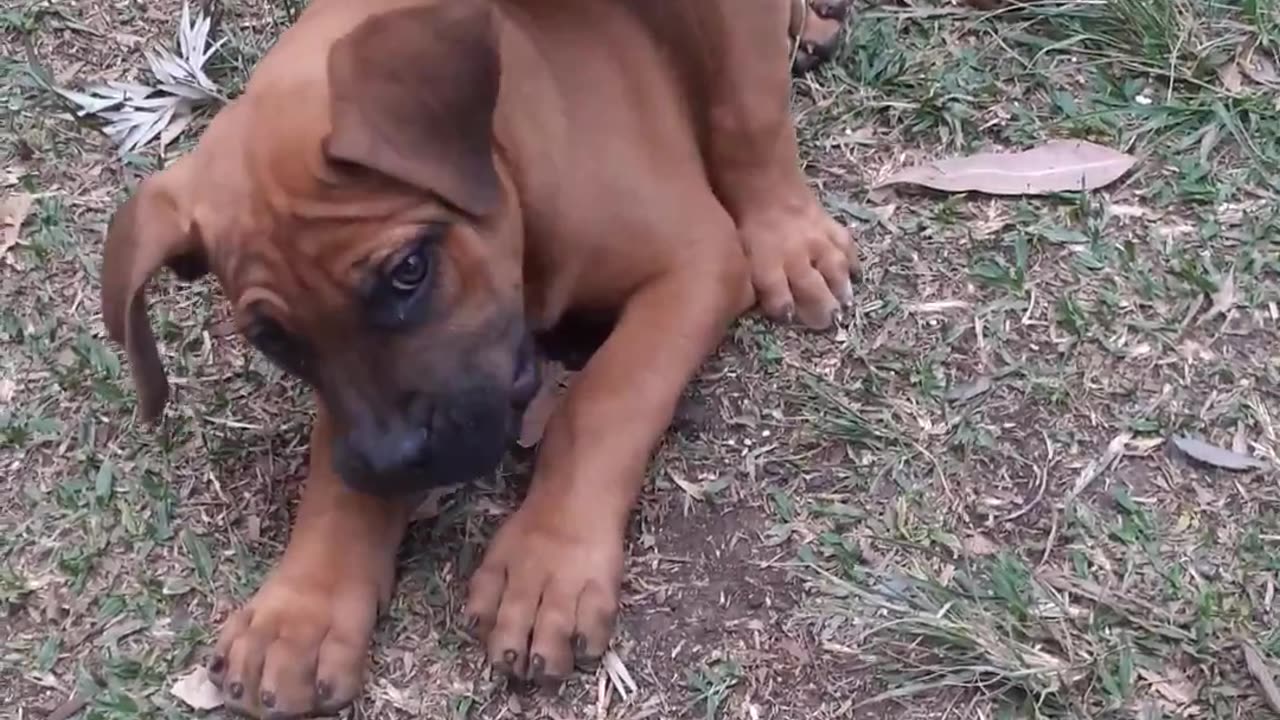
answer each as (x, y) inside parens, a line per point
(300, 645)
(547, 591)
(801, 259)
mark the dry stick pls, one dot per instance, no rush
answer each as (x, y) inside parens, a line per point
(1048, 544)
(1043, 482)
(804, 18)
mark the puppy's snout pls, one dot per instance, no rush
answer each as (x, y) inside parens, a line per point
(374, 454)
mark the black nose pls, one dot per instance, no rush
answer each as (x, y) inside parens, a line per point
(390, 452)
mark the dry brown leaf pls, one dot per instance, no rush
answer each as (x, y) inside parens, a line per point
(1261, 672)
(1214, 455)
(68, 708)
(1056, 166)
(1258, 65)
(1229, 76)
(13, 212)
(555, 380)
(197, 690)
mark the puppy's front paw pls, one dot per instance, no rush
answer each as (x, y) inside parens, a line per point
(546, 598)
(802, 262)
(297, 649)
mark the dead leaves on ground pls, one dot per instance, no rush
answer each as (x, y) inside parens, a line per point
(1213, 455)
(1250, 62)
(197, 690)
(1262, 674)
(1055, 167)
(14, 209)
(136, 114)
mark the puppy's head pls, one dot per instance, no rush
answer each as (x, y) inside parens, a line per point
(360, 224)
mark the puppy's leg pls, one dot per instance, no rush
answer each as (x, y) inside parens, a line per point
(801, 259)
(546, 594)
(300, 645)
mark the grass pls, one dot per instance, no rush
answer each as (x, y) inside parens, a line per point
(961, 504)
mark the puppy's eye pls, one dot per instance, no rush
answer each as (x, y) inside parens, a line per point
(409, 273)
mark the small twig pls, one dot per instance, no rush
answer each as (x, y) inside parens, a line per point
(1043, 482)
(804, 19)
(1048, 544)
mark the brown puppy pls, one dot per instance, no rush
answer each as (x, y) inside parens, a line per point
(404, 193)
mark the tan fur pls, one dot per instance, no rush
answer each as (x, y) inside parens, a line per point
(634, 158)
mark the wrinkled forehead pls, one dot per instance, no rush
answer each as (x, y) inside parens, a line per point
(275, 211)
(317, 262)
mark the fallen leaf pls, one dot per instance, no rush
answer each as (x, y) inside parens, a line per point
(13, 212)
(196, 690)
(1257, 65)
(1261, 672)
(1229, 76)
(136, 114)
(970, 390)
(1172, 686)
(1057, 166)
(618, 675)
(1214, 455)
(555, 380)
(981, 545)
(68, 708)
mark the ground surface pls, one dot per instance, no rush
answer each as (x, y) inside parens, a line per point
(961, 504)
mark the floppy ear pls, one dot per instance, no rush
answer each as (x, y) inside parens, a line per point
(148, 231)
(412, 95)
